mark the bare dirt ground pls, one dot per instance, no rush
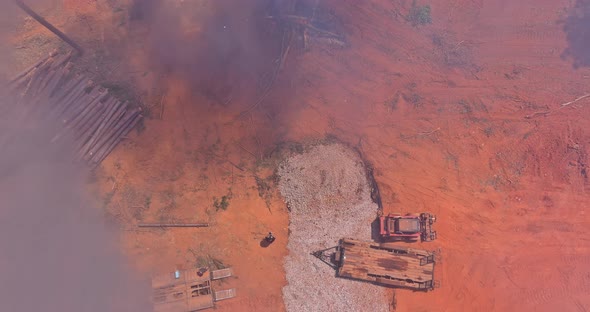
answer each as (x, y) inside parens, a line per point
(439, 110)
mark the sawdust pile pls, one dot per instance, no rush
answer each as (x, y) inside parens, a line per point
(329, 198)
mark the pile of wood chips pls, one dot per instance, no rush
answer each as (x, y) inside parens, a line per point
(329, 198)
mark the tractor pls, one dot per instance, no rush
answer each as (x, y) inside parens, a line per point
(409, 227)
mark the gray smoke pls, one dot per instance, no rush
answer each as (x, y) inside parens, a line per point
(232, 47)
(56, 254)
(577, 34)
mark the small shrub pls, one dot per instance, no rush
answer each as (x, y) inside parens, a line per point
(221, 204)
(489, 131)
(218, 264)
(265, 188)
(392, 104)
(419, 14)
(414, 98)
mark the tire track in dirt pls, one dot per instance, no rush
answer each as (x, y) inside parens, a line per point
(566, 260)
(574, 259)
(568, 277)
(547, 33)
(536, 297)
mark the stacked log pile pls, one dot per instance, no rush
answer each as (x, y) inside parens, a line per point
(85, 113)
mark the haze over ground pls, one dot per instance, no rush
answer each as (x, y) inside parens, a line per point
(56, 254)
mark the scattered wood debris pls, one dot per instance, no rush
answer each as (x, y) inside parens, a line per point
(547, 112)
(293, 27)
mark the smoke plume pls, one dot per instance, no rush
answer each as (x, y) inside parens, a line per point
(56, 255)
(578, 38)
(222, 46)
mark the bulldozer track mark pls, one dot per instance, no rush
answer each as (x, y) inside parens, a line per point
(576, 259)
(537, 33)
(579, 305)
(540, 296)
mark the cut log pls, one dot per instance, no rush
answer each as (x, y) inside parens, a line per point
(51, 82)
(89, 111)
(82, 132)
(61, 60)
(43, 102)
(101, 127)
(45, 81)
(88, 131)
(105, 131)
(75, 117)
(173, 225)
(29, 69)
(57, 84)
(78, 105)
(89, 117)
(34, 76)
(54, 69)
(76, 94)
(92, 127)
(114, 143)
(108, 137)
(41, 76)
(59, 96)
(24, 79)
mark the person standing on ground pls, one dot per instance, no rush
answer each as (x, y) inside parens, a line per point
(269, 238)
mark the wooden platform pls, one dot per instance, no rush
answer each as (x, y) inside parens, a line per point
(219, 274)
(385, 264)
(189, 292)
(225, 294)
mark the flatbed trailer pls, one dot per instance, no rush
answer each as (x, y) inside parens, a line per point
(383, 264)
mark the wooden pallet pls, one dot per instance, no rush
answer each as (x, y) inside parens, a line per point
(225, 294)
(222, 273)
(188, 292)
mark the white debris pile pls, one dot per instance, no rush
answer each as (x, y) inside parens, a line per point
(329, 198)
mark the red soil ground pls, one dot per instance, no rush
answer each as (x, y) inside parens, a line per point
(439, 111)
